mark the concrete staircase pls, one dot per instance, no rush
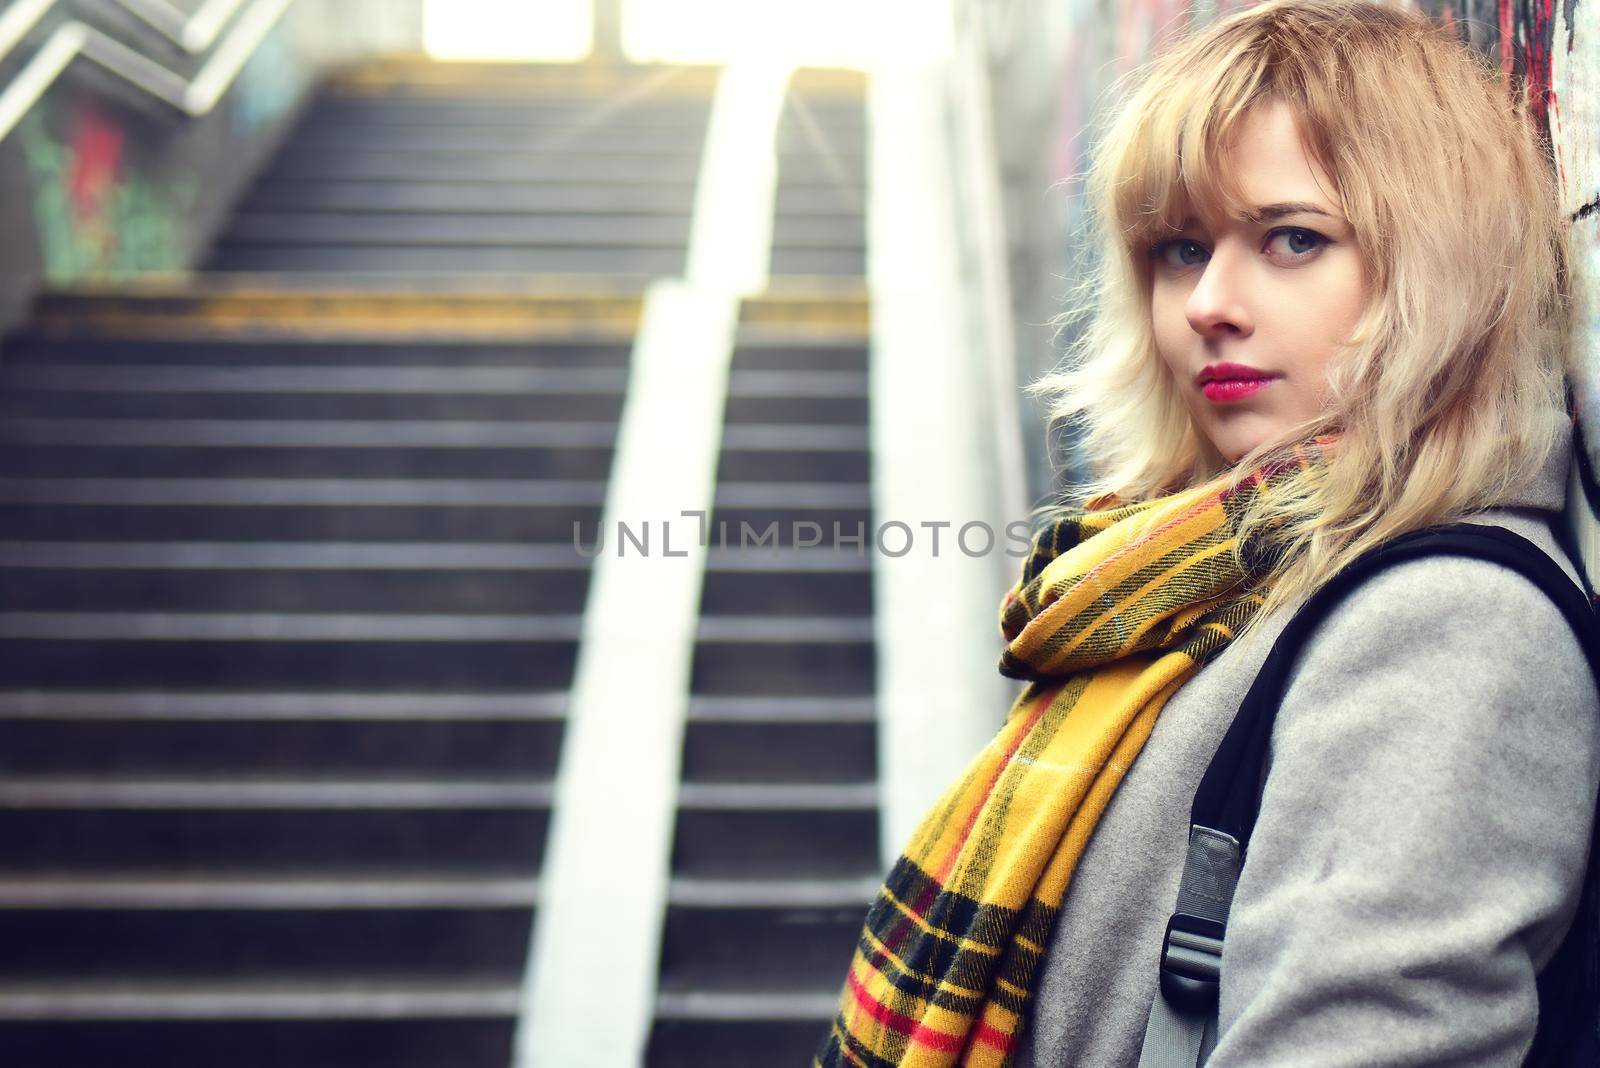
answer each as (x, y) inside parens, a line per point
(291, 607)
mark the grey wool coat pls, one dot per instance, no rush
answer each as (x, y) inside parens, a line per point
(1420, 846)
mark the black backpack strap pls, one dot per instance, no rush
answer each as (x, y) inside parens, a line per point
(1229, 793)
(1182, 1025)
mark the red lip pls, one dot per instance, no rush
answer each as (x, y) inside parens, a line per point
(1225, 371)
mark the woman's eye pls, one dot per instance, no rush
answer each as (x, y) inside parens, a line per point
(1183, 246)
(1300, 244)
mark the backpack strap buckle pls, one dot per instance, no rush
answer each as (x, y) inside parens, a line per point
(1191, 962)
(1191, 950)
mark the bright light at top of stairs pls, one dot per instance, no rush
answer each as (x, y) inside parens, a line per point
(820, 33)
(544, 30)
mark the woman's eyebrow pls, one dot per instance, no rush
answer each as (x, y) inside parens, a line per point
(1267, 212)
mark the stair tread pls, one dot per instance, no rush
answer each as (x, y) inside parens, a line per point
(700, 892)
(764, 708)
(301, 491)
(744, 796)
(234, 791)
(770, 629)
(221, 998)
(763, 382)
(292, 378)
(784, 436)
(188, 890)
(313, 433)
(745, 1005)
(225, 705)
(287, 626)
(300, 555)
(789, 495)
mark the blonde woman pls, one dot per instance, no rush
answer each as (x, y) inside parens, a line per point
(1329, 310)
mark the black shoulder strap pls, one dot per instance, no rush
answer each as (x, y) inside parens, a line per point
(1229, 793)
(1182, 1025)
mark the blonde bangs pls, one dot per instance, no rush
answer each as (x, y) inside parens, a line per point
(1170, 166)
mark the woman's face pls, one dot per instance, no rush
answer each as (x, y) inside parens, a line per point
(1247, 312)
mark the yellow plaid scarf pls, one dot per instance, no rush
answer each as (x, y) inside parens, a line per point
(1116, 608)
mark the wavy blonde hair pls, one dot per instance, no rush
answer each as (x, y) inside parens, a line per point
(1444, 393)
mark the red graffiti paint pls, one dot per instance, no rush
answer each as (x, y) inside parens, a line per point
(94, 158)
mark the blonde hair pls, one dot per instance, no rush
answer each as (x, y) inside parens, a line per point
(1444, 393)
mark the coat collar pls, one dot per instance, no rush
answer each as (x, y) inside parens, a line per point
(1548, 488)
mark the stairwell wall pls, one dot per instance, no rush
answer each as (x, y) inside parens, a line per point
(100, 183)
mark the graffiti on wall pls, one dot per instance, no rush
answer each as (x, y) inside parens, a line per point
(94, 212)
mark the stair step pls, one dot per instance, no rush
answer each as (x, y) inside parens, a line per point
(640, 137)
(288, 650)
(516, 112)
(140, 509)
(231, 707)
(736, 1029)
(267, 891)
(322, 492)
(732, 935)
(447, 521)
(354, 434)
(825, 655)
(155, 449)
(405, 194)
(741, 709)
(216, 793)
(229, 824)
(805, 261)
(611, 230)
(356, 381)
(806, 359)
(307, 942)
(114, 404)
(292, 577)
(747, 1005)
(324, 133)
(765, 830)
(468, 258)
(530, 168)
(776, 797)
(33, 348)
(756, 520)
(321, 626)
(765, 894)
(722, 751)
(462, 395)
(154, 733)
(796, 465)
(303, 456)
(255, 1024)
(263, 228)
(246, 1000)
(843, 587)
(610, 166)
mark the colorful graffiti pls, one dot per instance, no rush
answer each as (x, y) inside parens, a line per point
(94, 214)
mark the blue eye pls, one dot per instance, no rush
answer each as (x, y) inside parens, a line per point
(1183, 244)
(1316, 239)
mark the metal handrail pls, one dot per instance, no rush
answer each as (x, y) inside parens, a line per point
(193, 97)
(192, 33)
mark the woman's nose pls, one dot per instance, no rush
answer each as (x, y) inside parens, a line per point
(1219, 303)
